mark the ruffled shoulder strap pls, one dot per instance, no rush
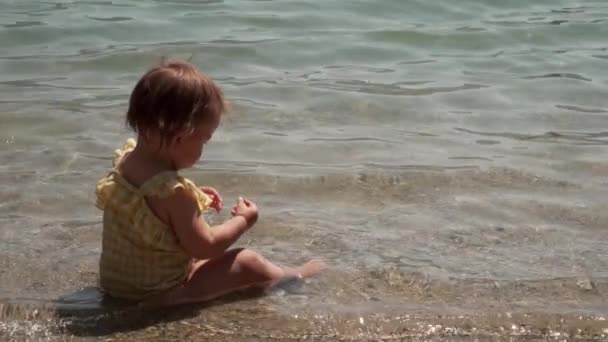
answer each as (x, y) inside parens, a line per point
(104, 189)
(121, 152)
(166, 183)
(106, 186)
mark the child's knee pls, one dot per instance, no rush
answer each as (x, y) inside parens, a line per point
(250, 261)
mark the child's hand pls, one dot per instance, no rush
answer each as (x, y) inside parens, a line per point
(217, 202)
(247, 209)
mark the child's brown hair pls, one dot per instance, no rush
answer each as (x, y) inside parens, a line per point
(173, 97)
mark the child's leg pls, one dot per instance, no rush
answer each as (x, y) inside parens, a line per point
(236, 269)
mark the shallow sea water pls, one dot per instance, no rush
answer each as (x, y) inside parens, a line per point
(447, 160)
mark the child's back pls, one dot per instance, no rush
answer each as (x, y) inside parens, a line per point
(140, 253)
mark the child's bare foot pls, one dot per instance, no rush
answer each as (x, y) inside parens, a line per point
(311, 268)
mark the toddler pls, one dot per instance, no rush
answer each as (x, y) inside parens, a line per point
(156, 247)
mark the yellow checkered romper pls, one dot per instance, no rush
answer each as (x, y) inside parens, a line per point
(140, 255)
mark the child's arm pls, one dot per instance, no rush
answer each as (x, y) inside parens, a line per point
(196, 237)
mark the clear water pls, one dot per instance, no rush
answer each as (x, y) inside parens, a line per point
(441, 156)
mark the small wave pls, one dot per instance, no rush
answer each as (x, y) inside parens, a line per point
(581, 109)
(470, 29)
(32, 82)
(110, 3)
(487, 142)
(20, 24)
(354, 139)
(360, 68)
(110, 19)
(470, 158)
(227, 41)
(394, 89)
(275, 134)
(570, 10)
(559, 75)
(581, 138)
(251, 102)
(193, 2)
(419, 61)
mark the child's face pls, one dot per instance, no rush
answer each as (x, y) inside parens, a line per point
(188, 148)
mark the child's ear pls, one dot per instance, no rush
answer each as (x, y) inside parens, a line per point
(177, 139)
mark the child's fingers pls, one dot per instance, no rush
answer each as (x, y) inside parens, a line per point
(249, 204)
(215, 198)
(215, 195)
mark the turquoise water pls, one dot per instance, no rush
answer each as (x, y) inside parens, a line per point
(460, 146)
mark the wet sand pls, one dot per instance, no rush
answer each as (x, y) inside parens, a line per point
(248, 317)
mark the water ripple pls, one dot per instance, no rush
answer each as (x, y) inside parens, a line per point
(110, 19)
(394, 89)
(580, 138)
(353, 139)
(559, 75)
(19, 24)
(582, 109)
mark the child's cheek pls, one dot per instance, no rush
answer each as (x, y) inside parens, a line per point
(200, 153)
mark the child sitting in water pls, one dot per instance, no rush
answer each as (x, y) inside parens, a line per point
(156, 248)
